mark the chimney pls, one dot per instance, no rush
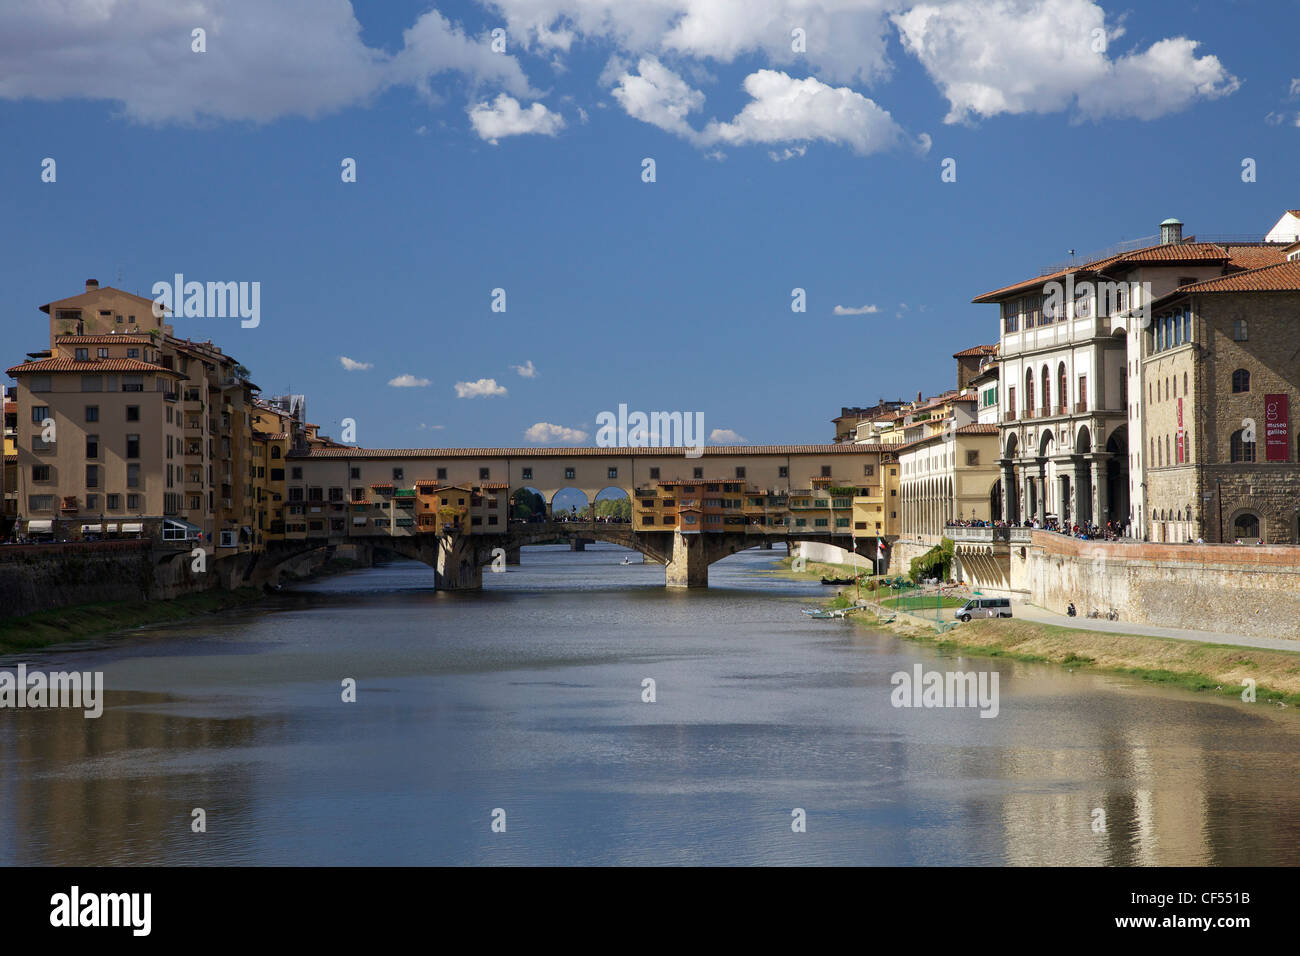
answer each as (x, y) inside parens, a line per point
(1171, 232)
(92, 285)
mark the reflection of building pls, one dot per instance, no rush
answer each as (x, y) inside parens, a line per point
(1070, 367)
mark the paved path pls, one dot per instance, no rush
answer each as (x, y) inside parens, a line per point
(1030, 612)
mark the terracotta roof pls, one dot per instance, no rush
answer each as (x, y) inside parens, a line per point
(580, 452)
(987, 428)
(91, 365)
(381, 484)
(272, 436)
(976, 350)
(1279, 277)
(102, 339)
(494, 485)
(1256, 256)
(1168, 252)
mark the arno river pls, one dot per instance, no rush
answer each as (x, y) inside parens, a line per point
(527, 697)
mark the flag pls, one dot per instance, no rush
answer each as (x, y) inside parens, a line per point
(880, 548)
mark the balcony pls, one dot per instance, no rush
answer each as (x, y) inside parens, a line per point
(170, 396)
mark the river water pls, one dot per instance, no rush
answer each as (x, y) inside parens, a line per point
(526, 698)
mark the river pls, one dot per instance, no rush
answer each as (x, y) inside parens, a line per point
(526, 698)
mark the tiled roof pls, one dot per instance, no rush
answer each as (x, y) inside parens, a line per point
(494, 485)
(1279, 277)
(128, 337)
(976, 350)
(987, 428)
(90, 365)
(1168, 252)
(724, 450)
(381, 484)
(272, 436)
(1256, 256)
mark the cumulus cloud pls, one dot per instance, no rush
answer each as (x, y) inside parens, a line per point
(483, 388)
(725, 436)
(544, 432)
(843, 41)
(658, 96)
(526, 370)
(408, 381)
(352, 365)
(787, 153)
(262, 60)
(785, 109)
(1043, 56)
(782, 109)
(505, 117)
(860, 310)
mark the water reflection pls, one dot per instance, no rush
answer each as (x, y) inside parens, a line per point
(527, 697)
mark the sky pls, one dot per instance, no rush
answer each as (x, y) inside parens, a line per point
(892, 160)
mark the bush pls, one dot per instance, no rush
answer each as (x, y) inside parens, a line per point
(935, 563)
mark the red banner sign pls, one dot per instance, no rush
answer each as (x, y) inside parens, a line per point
(1277, 427)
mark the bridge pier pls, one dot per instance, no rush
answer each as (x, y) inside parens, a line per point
(577, 544)
(689, 565)
(512, 555)
(456, 566)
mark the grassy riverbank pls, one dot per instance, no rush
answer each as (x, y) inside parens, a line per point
(92, 620)
(814, 571)
(1212, 668)
(84, 621)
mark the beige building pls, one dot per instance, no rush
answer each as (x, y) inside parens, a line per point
(123, 429)
(1220, 381)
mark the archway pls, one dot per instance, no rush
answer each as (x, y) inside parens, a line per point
(569, 504)
(528, 504)
(613, 506)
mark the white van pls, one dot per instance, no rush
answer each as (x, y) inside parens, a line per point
(983, 607)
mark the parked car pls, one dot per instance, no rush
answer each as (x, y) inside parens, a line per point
(983, 607)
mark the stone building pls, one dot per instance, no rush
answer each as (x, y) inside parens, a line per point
(1220, 375)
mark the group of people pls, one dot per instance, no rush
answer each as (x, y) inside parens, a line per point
(1088, 531)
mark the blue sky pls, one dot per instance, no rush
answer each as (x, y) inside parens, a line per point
(522, 170)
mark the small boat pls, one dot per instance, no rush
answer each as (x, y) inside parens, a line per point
(626, 560)
(838, 580)
(824, 614)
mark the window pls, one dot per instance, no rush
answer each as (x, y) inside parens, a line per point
(133, 413)
(972, 458)
(1083, 394)
(484, 474)
(132, 446)
(442, 474)
(527, 474)
(1011, 401)
(697, 472)
(868, 470)
(296, 473)
(740, 472)
(83, 355)
(103, 353)
(1246, 526)
(568, 473)
(40, 502)
(92, 476)
(92, 446)
(92, 413)
(613, 473)
(114, 502)
(782, 471)
(130, 353)
(92, 383)
(1240, 449)
(397, 474)
(1241, 380)
(1239, 330)
(1011, 316)
(40, 413)
(40, 472)
(133, 481)
(826, 471)
(133, 383)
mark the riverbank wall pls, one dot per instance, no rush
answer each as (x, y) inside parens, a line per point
(45, 577)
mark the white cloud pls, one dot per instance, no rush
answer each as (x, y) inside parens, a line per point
(263, 60)
(431, 428)
(544, 432)
(408, 381)
(352, 365)
(505, 117)
(1043, 56)
(483, 388)
(787, 153)
(860, 310)
(1295, 88)
(782, 109)
(658, 96)
(785, 109)
(527, 370)
(725, 436)
(844, 40)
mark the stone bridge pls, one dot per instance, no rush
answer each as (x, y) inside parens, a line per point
(458, 560)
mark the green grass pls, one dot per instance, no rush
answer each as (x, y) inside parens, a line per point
(83, 621)
(921, 602)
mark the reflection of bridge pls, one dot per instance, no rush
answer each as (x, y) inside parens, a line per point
(458, 560)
